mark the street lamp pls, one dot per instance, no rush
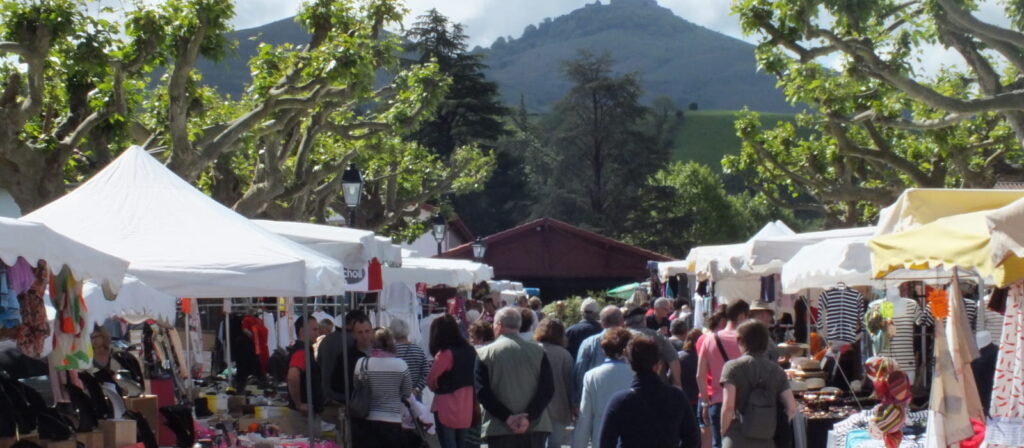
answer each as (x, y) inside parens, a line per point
(440, 229)
(479, 248)
(352, 187)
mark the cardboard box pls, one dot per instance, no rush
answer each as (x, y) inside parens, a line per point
(236, 403)
(148, 406)
(8, 442)
(61, 443)
(92, 439)
(118, 433)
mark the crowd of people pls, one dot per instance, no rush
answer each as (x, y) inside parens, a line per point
(634, 376)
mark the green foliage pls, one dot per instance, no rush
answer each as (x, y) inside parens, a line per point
(686, 205)
(470, 114)
(568, 309)
(879, 125)
(595, 155)
(276, 150)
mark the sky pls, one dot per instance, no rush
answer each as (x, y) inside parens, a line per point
(486, 20)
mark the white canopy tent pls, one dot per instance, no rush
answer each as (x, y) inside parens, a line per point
(34, 242)
(828, 262)
(437, 271)
(136, 302)
(181, 242)
(722, 261)
(353, 247)
(672, 268)
(768, 255)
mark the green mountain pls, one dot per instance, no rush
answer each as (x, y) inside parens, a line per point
(674, 58)
(705, 136)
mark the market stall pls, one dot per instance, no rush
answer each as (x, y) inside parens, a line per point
(438, 271)
(181, 243)
(986, 243)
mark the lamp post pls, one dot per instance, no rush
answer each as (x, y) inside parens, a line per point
(352, 187)
(439, 230)
(479, 249)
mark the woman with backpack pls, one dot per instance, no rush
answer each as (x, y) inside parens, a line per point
(755, 389)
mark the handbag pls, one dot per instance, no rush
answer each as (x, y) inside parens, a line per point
(359, 399)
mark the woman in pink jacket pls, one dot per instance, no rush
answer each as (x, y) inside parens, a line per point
(451, 380)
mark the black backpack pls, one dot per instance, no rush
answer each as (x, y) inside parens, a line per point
(101, 405)
(17, 406)
(54, 425)
(83, 408)
(759, 415)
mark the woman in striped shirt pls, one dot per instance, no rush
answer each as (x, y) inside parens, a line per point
(390, 383)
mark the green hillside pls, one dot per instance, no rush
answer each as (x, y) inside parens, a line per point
(705, 136)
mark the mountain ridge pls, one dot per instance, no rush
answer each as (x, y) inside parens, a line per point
(672, 56)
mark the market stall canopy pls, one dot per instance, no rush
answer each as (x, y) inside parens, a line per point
(438, 271)
(919, 206)
(387, 251)
(729, 260)
(353, 247)
(501, 285)
(767, 255)
(673, 268)
(181, 242)
(828, 262)
(625, 291)
(964, 241)
(136, 303)
(33, 242)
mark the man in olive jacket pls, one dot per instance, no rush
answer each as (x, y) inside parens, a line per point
(514, 384)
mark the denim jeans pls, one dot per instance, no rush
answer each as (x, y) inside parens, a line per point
(448, 437)
(716, 425)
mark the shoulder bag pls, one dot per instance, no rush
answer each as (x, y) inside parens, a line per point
(359, 400)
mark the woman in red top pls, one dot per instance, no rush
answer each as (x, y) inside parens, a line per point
(451, 379)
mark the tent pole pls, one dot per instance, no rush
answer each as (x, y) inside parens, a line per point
(188, 357)
(309, 371)
(347, 430)
(227, 338)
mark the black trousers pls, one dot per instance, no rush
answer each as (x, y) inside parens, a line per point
(373, 434)
(528, 440)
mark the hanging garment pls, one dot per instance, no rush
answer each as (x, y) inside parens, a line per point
(35, 327)
(21, 276)
(698, 311)
(901, 347)
(425, 333)
(1007, 406)
(768, 288)
(271, 325)
(842, 309)
(72, 347)
(399, 301)
(259, 340)
(285, 332)
(10, 309)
